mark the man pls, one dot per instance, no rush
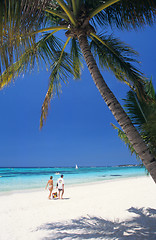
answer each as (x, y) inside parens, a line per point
(60, 186)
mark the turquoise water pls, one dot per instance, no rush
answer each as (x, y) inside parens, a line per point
(15, 179)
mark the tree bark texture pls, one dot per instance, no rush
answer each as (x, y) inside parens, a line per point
(122, 118)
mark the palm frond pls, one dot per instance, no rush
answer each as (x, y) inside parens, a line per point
(13, 36)
(74, 7)
(102, 6)
(63, 49)
(67, 11)
(135, 108)
(42, 51)
(143, 114)
(61, 69)
(149, 88)
(9, 26)
(33, 12)
(56, 13)
(126, 14)
(118, 57)
(11, 52)
(45, 105)
(53, 28)
(148, 131)
(23, 14)
(124, 138)
(76, 57)
(18, 19)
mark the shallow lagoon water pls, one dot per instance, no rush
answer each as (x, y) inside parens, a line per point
(15, 179)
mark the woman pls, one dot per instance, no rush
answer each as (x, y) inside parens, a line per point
(50, 183)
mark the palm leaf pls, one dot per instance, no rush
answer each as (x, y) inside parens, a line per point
(42, 51)
(118, 57)
(135, 108)
(124, 138)
(12, 40)
(67, 10)
(138, 109)
(125, 13)
(148, 131)
(76, 57)
(64, 66)
(74, 7)
(53, 13)
(101, 6)
(150, 90)
(17, 20)
(61, 69)
(33, 12)
(143, 114)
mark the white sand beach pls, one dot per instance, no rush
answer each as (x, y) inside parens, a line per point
(119, 209)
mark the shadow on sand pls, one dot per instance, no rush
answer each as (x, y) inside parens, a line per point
(54, 199)
(142, 227)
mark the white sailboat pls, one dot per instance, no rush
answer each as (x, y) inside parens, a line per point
(76, 166)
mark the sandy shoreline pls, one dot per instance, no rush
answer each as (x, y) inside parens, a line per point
(118, 209)
(30, 190)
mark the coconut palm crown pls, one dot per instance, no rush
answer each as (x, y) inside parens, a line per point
(29, 36)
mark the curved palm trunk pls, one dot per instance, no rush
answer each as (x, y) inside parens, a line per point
(124, 121)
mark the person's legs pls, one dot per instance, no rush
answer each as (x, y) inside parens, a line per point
(62, 193)
(59, 193)
(50, 192)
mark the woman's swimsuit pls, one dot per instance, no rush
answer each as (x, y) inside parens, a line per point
(50, 187)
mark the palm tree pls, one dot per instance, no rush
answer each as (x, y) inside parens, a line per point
(28, 35)
(143, 116)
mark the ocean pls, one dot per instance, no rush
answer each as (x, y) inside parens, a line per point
(21, 179)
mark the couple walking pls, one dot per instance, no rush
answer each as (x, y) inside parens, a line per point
(59, 186)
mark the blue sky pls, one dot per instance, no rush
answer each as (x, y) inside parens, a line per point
(78, 128)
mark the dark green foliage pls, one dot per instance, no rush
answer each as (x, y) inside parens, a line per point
(143, 115)
(124, 138)
(76, 57)
(61, 69)
(127, 14)
(43, 50)
(118, 57)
